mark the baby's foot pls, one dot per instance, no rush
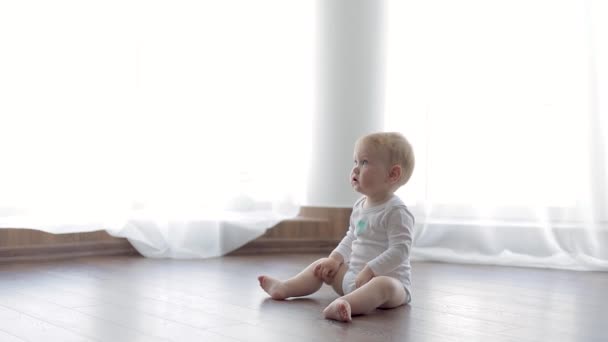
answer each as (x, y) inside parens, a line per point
(274, 287)
(338, 310)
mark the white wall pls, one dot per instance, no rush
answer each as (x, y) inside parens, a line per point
(350, 94)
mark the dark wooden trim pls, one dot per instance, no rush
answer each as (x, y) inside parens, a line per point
(314, 230)
(269, 246)
(65, 250)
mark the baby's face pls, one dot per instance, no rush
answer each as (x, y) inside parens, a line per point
(369, 175)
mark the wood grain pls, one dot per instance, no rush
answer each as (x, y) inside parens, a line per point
(132, 298)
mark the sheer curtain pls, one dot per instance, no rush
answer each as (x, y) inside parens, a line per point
(181, 125)
(506, 105)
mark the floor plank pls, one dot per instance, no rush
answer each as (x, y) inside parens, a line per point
(132, 298)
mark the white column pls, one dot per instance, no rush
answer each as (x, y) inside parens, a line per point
(350, 94)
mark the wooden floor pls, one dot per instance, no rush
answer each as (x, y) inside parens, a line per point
(138, 299)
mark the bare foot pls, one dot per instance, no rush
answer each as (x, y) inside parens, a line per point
(273, 287)
(338, 310)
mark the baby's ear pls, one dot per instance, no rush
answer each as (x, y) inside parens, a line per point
(395, 173)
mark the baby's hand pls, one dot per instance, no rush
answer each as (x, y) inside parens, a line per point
(326, 269)
(364, 276)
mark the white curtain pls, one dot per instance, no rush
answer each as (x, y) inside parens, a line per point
(506, 103)
(182, 125)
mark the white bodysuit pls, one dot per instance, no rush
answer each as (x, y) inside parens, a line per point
(380, 237)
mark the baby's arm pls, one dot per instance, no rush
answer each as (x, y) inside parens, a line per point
(328, 267)
(364, 276)
(399, 232)
(344, 248)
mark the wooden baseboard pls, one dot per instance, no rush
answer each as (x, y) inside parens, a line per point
(314, 230)
(65, 251)
(269, 246)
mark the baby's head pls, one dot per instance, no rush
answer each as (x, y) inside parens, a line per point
(394, 151)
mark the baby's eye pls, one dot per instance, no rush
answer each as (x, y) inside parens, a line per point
(364, 162)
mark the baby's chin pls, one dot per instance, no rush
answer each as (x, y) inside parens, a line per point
(357, 187)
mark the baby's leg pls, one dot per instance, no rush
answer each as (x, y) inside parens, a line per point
(303, 284)
(380, 292)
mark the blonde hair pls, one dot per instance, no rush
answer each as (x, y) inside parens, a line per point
(397, 148)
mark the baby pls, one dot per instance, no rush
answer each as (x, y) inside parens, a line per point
(370, 268)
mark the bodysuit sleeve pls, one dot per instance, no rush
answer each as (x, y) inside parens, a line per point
(399, 229)
(345, 246)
